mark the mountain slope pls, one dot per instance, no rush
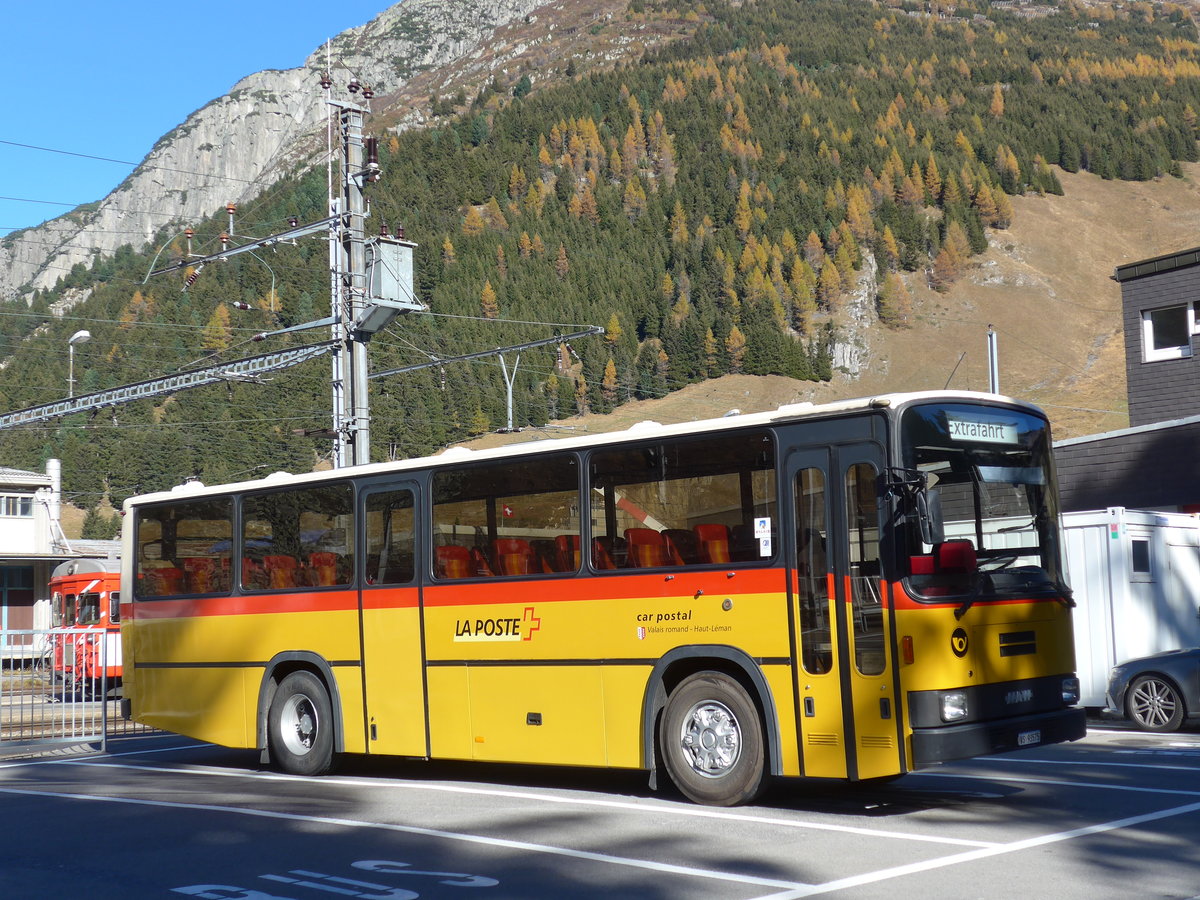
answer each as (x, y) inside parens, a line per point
(270, 122)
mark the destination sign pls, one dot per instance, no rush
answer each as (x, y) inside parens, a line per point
(985, 431)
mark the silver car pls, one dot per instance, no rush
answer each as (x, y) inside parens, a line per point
(1159, 692)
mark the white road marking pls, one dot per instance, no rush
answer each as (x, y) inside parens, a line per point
(655, 806)
(854, 881)
(142, 752)
(505, 843)
(1067, 763)
(1057, 783)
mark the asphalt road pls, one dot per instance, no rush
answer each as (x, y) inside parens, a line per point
(1115, 815)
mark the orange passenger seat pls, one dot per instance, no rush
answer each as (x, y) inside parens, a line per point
(281, 571)
(567, 548)
(452, 561)
(646, 548)
(714, 542)
(515, 556)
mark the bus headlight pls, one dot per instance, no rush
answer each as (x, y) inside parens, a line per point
(1070, 691)
(954, 706)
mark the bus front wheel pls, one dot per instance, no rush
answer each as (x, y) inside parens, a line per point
(300, 725)
(711, 740)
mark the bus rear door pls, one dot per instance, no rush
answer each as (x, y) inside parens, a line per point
(393, 652)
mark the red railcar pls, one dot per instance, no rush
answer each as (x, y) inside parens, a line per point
(86, 602)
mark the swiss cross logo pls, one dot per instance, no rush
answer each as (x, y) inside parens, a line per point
(530, 623)
(508, 511)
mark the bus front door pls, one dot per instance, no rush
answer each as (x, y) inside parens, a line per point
(845, 684)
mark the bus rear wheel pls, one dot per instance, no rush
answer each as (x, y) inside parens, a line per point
(300, 725)
(711, 740)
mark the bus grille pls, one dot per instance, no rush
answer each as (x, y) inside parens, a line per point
(1018, 643)
(876, 741)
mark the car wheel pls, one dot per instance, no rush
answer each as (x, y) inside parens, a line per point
(300, 726)
(711, 740)
(1154, 704)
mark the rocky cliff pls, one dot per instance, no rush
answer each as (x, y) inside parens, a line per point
(270, 123)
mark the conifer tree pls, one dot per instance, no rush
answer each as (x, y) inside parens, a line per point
(488, 303)
(217, 333)
(735, 348)
(473, 224)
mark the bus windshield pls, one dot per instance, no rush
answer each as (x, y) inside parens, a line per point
(989, 499)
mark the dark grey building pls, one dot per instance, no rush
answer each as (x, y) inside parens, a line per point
(1159, 298)
(1155, 463)
(1147, 467)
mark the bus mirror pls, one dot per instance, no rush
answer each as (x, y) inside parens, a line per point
(929, 517)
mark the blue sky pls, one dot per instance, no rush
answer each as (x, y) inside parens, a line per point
(109, 79)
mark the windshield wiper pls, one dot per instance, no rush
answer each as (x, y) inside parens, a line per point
(1021, 527)
(976, 593)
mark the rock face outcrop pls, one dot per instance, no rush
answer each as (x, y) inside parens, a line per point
(238, 145)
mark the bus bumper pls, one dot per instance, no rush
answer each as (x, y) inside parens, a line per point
(934, 745)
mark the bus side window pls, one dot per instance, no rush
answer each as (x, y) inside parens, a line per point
(390, 537)
(183, 547)
(686, 502)
(302, 538)
(518, 519)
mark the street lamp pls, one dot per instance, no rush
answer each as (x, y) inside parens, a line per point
(79, 337)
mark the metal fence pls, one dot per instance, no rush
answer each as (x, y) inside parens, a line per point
(60, 687)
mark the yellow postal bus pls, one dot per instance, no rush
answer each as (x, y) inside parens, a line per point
(853, 590)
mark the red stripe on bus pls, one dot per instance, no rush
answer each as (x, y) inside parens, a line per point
(609, 587)
(391, 598)
(247, 605)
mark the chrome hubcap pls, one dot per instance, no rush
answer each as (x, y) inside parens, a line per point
(299, 724)
(711, 739)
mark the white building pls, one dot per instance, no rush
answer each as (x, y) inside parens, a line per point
(32, 543)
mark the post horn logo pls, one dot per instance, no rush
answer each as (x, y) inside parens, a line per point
(958, 642)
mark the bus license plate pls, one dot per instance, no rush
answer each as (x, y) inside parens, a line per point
(1026, 738)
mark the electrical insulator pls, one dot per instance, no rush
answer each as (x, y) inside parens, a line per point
(224, 241)
(240, 304)
(293, 221)
(261, 336)
(326, 81)
(191, 279)
(230, 208)
(367, 92)
(400, 232)
(353, 86)
(188, 233)
(383, 232)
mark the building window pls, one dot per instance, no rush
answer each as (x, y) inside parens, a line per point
(18, 506)
(1140, 552)
(1167, 332)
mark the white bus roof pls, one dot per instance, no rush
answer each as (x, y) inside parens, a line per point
(792, 412)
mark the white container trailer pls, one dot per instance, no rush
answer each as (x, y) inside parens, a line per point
(1135, 575)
